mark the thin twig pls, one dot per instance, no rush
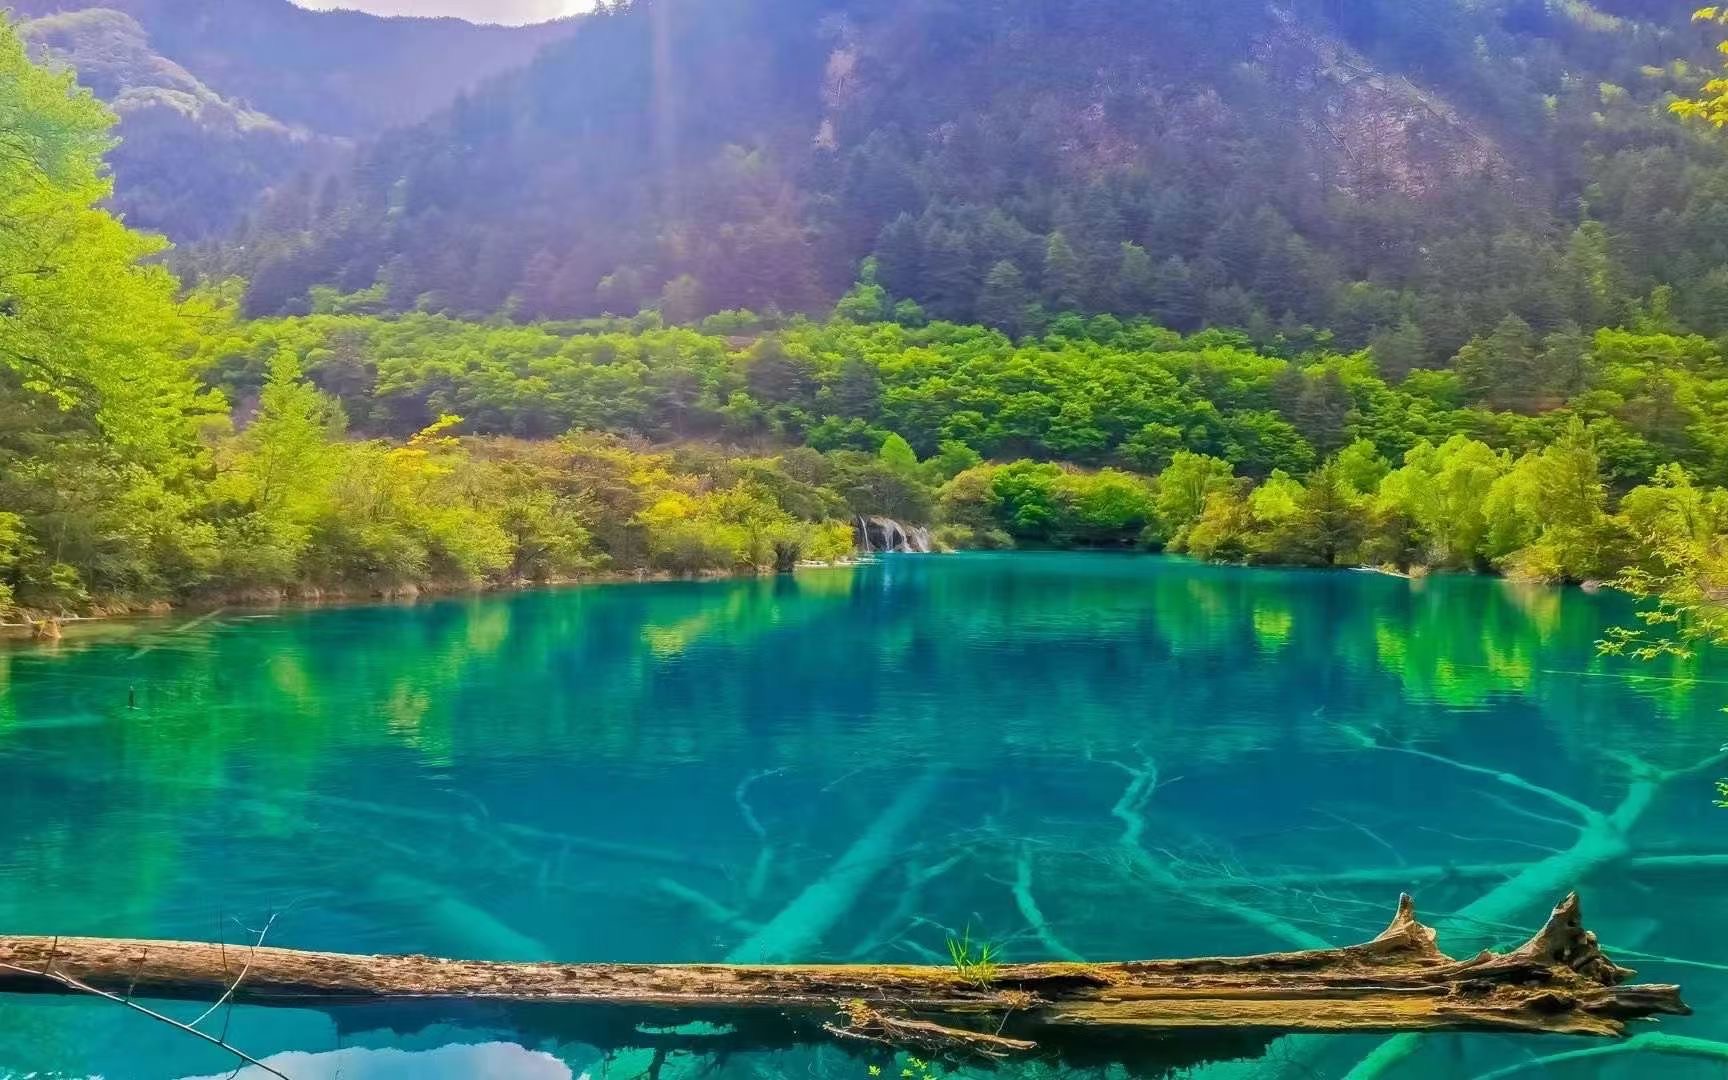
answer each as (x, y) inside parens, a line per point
(84, 988)
(238, 979)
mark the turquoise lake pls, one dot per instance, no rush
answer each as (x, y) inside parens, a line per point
(593, 773)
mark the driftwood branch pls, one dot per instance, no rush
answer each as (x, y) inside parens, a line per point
(1558, 982)
(51, 973)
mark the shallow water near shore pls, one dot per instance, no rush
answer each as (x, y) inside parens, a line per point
(435, 778)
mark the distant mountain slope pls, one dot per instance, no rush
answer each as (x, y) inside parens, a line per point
(334, 72)
(1408, 172)
(191, 161)
(221, 99)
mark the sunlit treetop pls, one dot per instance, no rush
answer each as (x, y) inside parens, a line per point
(1711, 104)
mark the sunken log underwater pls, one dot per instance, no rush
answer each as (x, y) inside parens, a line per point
(1150, 1015)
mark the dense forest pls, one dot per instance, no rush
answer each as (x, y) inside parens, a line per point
(1401, 175)
(161, 444)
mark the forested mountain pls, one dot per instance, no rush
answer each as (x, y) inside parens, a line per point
(221, 100)
(155, 447)
(1402, 174)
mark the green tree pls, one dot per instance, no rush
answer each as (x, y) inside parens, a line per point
(1178, 303)
(1399, 350)
(898, 456)
(99, 458)
(1182, 491)
(1137, 285)
(1063, 282)
(1222, 531)
(1441, 493)
(951, 459)
(1152, 447)
(1502, 370)
(1105, 507)
(276, 482)
(1027, 501)
(1002, 303)
(1547, 516)
(681, 301)
(866, 302)
(1336, 514)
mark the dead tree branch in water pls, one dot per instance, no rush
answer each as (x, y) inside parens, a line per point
(1558, 982)
(57, 976)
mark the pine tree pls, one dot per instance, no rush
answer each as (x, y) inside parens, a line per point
(1098, 242)
(1177, 301)
(1502, 370)
(1136, 283)
(1399, 351)
(1002, 301)
(1288, 277)
(1322, 410)
(856, 391)
(773, 375)
(1589, 275)
(950, 274)
(900, 257)
(1335, 514)
(1003, 237)
(898, 456)
(1705, 303)
(1062, 281)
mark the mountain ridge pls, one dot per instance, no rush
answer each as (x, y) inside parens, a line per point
(254, 92)
(1370, 168)
(326, 70)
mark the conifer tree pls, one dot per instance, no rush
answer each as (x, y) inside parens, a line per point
(1002, 303)
(1063, 283)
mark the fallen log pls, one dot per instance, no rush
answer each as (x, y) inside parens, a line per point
(1559, 982)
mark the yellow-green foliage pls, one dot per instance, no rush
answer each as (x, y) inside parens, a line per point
(1711, 103)
(99, 407)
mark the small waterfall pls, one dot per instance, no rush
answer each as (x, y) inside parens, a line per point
(885, 535)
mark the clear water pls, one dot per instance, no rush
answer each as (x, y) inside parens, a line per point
(424, 778)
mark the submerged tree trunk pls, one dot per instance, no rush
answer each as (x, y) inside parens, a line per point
(1558, 982)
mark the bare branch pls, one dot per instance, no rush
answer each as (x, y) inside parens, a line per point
(235, 985)
(84, 988)
(1588, 814)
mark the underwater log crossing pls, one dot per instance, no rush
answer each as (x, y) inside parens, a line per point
(1559, 982)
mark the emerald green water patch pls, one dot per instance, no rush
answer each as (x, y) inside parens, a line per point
(1102, 756)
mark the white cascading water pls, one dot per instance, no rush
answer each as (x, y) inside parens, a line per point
(885, 535)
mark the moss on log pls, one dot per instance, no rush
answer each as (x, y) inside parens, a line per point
(1559, 982)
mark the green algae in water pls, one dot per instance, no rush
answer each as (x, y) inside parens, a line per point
(654, 772)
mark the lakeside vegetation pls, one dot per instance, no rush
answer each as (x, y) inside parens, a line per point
(157, 447)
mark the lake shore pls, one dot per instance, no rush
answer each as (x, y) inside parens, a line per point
(47, 628)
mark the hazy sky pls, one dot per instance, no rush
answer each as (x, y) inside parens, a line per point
(499, 11)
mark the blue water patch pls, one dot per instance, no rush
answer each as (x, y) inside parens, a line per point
(1099, 756)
